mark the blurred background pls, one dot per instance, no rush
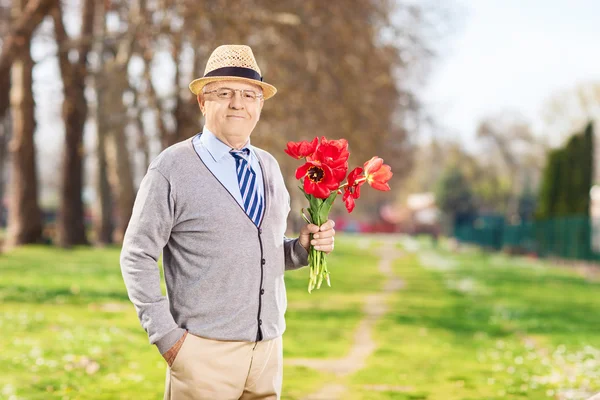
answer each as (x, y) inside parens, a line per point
(485, 110)
(99, 89)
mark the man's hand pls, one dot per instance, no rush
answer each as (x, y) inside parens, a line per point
(171, 354)
(323, 237)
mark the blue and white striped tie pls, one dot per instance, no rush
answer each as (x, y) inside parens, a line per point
(253, 201)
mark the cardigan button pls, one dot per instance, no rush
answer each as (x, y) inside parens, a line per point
(260, 322)
(263, 261)
(262, 291)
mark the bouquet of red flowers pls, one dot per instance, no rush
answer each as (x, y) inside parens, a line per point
(325, 168)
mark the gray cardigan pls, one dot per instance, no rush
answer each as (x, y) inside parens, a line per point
(224, 275)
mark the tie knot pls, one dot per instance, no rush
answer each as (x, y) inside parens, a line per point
(243, 153)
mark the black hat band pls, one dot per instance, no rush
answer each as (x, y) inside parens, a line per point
(235, 71)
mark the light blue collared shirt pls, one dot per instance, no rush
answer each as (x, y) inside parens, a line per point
(215, 155)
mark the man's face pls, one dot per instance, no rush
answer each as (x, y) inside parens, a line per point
(231, 120)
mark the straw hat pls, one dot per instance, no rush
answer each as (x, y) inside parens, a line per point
(232, 62)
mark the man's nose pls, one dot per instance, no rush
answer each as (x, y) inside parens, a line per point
(236, 101)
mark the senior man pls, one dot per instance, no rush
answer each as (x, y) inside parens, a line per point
(216, 207)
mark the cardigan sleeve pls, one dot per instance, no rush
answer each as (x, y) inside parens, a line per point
(147, 233)
(296, 256)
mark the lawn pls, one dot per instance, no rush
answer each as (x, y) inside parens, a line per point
(69, 331)
(485, 326)
(466, 325)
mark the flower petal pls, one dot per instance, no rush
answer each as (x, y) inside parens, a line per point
(291, 149)
(349, 201)
(353, 175)
(329, 179)
(302, 170)
(373, 165)
(316, 189)
(384, 187)
(332, 152)
(356, 193)
(340, 173)
(302, 149)
(383, 175)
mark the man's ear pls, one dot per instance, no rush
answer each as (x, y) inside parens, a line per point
(200, 99)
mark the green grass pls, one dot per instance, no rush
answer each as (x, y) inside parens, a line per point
(479, 326)
(69, 330)
(321, 324)
(466, 326)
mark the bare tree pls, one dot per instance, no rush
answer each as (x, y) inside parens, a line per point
(102, 216)
(5, 131)
(111, 83)
(33, 12)
(522, 154)
(71, 227)
(5, 128)
(342, 71)
(25, 218)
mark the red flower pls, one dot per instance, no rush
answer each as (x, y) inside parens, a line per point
(352, 190)
(319, 179)
(333, 153)
(302, 149)
(378, 174)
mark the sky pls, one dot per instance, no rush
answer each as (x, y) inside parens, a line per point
(512, 55)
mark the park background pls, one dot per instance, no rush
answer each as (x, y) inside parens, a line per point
(475, 277)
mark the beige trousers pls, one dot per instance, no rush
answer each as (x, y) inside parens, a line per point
(207, 369)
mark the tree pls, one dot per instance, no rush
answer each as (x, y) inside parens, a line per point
(512, 148)
(111, 83)
(568, 178)
(24, 218)
(455, 197)
(5, 131)
(571, 110)
(551, 186)
(71, 228)
(102, 215)
(342, 69)
(30, 14)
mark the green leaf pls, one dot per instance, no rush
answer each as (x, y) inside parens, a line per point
(315, 206)
(326, 207)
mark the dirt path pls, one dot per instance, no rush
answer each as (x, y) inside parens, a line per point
(374, 307)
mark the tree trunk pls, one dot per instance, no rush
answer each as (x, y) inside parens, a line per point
(22, 28)
(5, 130)
(24, 218)
(121, 179)
(4, 93)
(142, 139)
(71, 227)
(186, 119)
(111, 81)
(114, 116)
(186, 111)
(103, 215)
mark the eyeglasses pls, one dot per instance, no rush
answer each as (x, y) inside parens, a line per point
(248, 95)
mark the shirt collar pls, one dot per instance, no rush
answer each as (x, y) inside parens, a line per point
(215, 147)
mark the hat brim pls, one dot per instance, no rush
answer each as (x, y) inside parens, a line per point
(197, 84)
